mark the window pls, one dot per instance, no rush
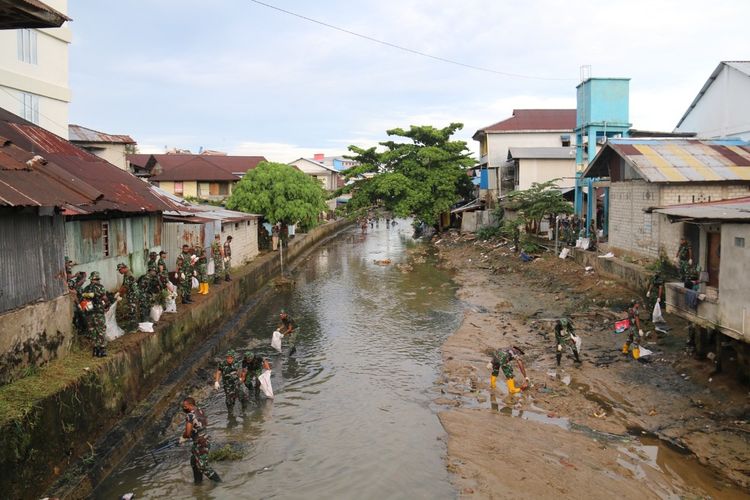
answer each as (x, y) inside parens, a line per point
(105, 238)
(565, 140)
(178, 188)
(224, 189)
(27, 46)
(30, 107)
(739, 242)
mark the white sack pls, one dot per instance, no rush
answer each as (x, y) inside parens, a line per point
(564, 253)
(194, 281)
(276, 340)
(656, 316)
(113, 330)
(146, 327)
(156, 312)
(265, 383)
(577, 341)
(211, 267)
(644, 352)
(170, 305)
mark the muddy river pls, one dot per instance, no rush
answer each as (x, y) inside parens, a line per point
(353, 412)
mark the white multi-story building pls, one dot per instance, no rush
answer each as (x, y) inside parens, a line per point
(34, 73)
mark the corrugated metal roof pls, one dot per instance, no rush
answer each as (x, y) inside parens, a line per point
(121, 191)
(201, 167)
(527, 120)
(38, 183)
(725, 210)
(677, 160)
(15, 14)
(77, 133)
(543, 153)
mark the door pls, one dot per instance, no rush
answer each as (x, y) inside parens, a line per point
(713, 241)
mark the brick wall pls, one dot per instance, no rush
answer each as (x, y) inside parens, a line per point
(630, 228)
(696, 192)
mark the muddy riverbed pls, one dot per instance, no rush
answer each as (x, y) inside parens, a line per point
(665, 427)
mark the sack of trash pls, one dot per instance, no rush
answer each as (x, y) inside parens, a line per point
(156, 312)
(276, 340)
(656, 315)
(146, 327)
(194, 282)
(113, 329)
(265, 383)
(564, 253)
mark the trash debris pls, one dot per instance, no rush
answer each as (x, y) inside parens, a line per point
(607, 255)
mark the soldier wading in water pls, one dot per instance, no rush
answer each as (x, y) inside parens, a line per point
(195, 429)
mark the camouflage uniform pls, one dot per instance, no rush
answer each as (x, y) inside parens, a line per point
(218, 261)
(152, 262)
(561, 340)
(656, 283)
(186, 283)
(203, 269)
(253, 364)
(230, 379)
(75, 284)
(227, 259)
(502, 360)
(150, 288)
(132, 300)
(201, 446)
(95, 321)
(285, 324)
(633, 335)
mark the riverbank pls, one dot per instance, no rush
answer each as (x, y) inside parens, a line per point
(655, 428)
(89, 411)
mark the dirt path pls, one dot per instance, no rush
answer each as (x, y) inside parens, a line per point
(662, 428)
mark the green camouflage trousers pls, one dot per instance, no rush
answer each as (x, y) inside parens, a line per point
(199, 457)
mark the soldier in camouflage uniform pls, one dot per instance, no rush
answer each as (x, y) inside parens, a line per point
(152, 262)
(132, 299)
(217, 252)
(185, 272)
(685, 259)
(203, 273)
(232, 377)
(97, 325)
(75, 287)
(253, 366)
(150, 288)
(196, 425)
(227, 258)
(566, 338)
(161, 265)
(502, 359)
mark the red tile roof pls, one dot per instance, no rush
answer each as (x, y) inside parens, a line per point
(121, 191)
(524, 120)
(197, 167)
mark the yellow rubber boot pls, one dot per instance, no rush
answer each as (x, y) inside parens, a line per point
(205, 288)
(512, 389)
(636, 352)
(493, 381)
(624, 348)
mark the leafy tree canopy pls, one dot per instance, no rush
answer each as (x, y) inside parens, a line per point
(422, 176)
(540, 200)
(281, 193)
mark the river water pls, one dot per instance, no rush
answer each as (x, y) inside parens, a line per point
(352, 415)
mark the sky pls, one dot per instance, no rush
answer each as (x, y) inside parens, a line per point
(239, 77)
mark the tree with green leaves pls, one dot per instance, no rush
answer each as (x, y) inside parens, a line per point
(423, 176)
(540, 200)
(280, 193)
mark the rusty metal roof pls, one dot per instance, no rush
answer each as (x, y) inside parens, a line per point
(667, 160)
(534, 120)
(15, 14)
(199, 167)
(77, 133)
(39, 183)
(121, 191)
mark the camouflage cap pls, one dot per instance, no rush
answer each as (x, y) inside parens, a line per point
(564, 321)
(94, 276)
(121, 265)
(152, 254)
(232, 353)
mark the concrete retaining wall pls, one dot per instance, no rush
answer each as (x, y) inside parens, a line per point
(39, 445)
(633, 276)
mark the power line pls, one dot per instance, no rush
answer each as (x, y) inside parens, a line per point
(406, 49)
(65, 127)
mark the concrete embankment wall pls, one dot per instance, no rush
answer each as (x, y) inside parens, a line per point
(633, 276)
(38, 445)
